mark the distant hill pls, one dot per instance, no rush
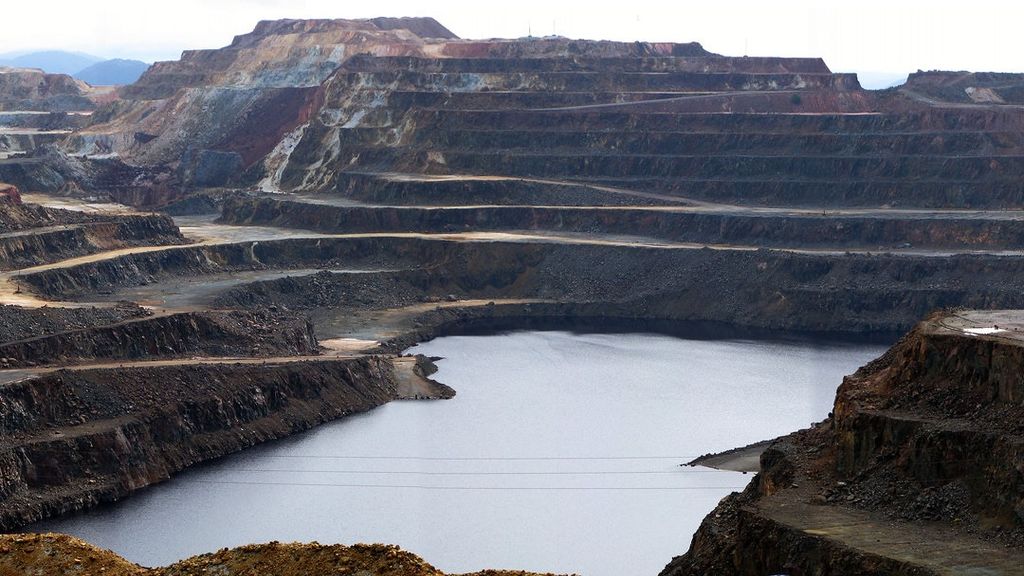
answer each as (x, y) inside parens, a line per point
(52, 61)
(113, 72)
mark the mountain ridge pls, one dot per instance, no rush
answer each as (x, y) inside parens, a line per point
(113, 72)
(90, 68)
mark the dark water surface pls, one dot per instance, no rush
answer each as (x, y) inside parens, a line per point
(560, 453)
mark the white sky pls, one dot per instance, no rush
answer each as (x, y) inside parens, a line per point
(859, 35)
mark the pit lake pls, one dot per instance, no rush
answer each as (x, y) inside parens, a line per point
(560, 453)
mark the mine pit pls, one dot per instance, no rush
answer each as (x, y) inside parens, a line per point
(548, 429)
(530, 304)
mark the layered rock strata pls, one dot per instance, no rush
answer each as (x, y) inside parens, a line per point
(916, 471)
(107, 431)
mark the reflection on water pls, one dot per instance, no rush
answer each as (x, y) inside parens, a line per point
(560, 453)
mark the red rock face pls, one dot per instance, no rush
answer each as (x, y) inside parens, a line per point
(9, 194)
(216, 114)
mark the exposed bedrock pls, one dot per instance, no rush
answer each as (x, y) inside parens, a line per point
(804, 230)
(644, 58)
(21, 142)
(40, 235)
(763, 288)
(17, 323)
(282, 107)
(427, 190)
(943, 406)
(917, 471)
(740, 139)
(213, 333)
(43, 121)
(601, 165)
(38, 247)
(942, 122)
(18, 216)
(73, 439)
(31, 174)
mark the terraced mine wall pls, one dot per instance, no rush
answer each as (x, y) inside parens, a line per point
(842, 293)
(18, 323)
(913, 158)
(31, 174)
(581, 144)
(881, 418)
(30, 246)
(32, 89)
(13, 143)
(806, 230)
(763, 544)
(44, 120)
(429, 191)
(214, 334)
(697, 60)
(968, 88)
(604, 166)
(25, 250)
(927, 433)
(74, 439)
(823, 194)
(18, 216)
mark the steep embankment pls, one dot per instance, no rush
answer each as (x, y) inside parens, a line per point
(17, 323)
(74, 438)
(207, 334)
(851, 293)
(31, 235)
(872, 230)
(918, 470)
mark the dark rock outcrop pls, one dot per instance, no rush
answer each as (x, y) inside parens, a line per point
(210, 334)
(925, 441)
(73, 439)
(766, 229)
(17, 323)
(840, 293)
(31, 235)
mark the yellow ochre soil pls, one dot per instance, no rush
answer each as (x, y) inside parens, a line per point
(58, 554)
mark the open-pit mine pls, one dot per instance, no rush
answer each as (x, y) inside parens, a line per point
(248, 242)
